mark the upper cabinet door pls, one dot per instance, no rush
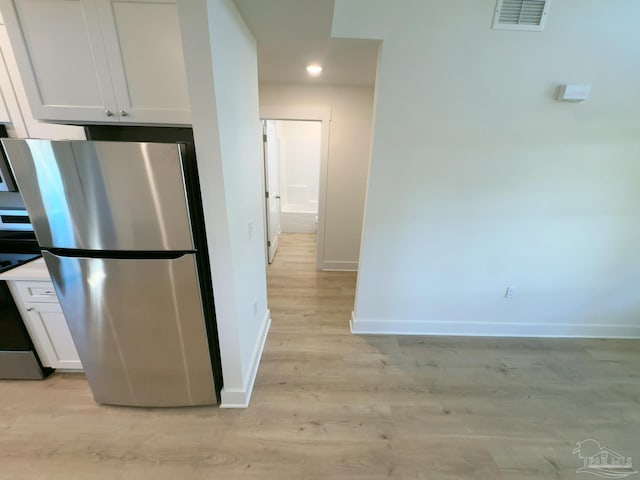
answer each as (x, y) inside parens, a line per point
(144, 49)
(5, 90)
(61, 57)
(100, 61)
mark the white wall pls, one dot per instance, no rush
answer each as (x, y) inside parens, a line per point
(349, 144)
(220, 57)
(299, 155)
(480, 179)
(299, 148)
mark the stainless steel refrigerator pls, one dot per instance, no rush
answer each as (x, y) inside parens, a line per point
(121, 230)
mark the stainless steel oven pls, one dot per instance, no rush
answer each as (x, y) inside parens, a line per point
(18, 245)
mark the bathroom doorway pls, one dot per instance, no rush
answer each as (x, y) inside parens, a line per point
(295, 159)
(292, 176)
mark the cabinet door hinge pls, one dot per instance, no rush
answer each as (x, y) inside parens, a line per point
(268, 243)
(264, 138)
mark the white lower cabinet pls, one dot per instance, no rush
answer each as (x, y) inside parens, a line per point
(46, 324)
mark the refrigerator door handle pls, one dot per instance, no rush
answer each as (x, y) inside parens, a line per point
(116, 254)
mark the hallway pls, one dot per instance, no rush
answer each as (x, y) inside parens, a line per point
(302, 298)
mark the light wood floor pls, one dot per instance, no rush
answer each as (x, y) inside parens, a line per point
(331, 405)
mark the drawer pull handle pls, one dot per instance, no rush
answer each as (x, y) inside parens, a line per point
(30, 309)
(49, 292)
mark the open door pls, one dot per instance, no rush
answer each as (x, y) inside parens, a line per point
(272, 186)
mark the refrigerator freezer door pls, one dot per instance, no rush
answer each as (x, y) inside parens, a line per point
(139, 328)
(103, 195)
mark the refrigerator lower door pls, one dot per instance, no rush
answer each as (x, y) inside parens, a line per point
(139, 328)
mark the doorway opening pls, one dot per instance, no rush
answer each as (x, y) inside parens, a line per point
(295, 163)
(292, 178)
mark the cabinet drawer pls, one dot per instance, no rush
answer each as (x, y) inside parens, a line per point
(36, 291)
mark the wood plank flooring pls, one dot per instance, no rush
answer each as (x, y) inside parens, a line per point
(331, 405)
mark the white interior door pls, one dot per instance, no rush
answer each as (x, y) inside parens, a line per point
(272, 185)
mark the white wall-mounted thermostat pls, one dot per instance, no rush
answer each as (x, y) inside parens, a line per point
(573, 93)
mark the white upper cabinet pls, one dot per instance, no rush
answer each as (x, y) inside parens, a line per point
(144, 50)
(107, 61)
(5, 83)
(61, 58)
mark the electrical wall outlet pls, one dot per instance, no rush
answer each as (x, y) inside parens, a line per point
(255, 308)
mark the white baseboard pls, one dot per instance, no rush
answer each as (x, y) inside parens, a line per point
(338, 266)
(473, 329)
(239, 398)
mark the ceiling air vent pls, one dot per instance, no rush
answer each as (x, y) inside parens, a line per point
(521, 14)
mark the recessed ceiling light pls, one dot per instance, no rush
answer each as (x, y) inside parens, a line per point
(314, 70)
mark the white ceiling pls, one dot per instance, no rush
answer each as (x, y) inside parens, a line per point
(294, 33)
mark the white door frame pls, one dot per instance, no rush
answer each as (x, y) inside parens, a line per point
(268, 163)
(320, 114)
